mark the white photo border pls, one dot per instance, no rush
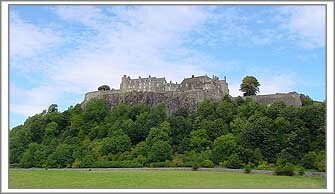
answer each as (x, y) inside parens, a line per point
(329, 97)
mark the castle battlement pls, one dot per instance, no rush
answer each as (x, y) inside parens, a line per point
(153, 84)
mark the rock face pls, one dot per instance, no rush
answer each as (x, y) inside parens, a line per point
(188, 99)
(173, 99)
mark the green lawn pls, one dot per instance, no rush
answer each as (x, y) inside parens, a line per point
(154, 179)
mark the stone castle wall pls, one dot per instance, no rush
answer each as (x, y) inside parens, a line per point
(177, 99)
(188, 94)
(289, 99)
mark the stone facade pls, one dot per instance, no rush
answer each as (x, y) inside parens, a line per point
(154, 90)
(153, 84)
(289, 99)
(187, 94)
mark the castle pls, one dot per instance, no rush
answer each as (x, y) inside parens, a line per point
(187, 94)
(153, 84)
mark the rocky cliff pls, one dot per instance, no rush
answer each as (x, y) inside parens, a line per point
(187, 99)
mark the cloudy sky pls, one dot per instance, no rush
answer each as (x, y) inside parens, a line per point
(57, 53)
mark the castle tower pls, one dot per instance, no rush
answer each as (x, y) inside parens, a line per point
(124, 83)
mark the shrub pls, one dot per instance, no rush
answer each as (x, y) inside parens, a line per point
(287, 170)
(104, 88)
(300, 170)
(159, 164)
(117, 164)
(247, 168)
(322, 166)
(233, 161)
(309, 161)
(177, 161)
(76, 164)
(195, 165)
(263, 165)
(207, 164)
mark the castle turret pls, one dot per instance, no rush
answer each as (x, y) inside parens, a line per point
(124, 83)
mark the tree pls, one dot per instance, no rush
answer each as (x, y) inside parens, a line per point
(53, 108)
(104, 88)
(223, 147)
(199, 140)
(305, 100)
(96, 110)
(62, 156)
(118, 143)
(250, 86)
(159, 152)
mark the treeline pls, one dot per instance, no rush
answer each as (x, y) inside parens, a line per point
(232, 134)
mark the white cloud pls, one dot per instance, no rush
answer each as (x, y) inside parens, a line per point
(87, 15)
(28, 40)
(138, 42)
(306, 24)
(31, 101)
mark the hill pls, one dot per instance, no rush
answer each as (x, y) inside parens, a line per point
(230, 133)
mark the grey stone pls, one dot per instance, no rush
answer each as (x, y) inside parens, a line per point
(188, 94)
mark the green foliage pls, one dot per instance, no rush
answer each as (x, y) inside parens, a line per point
(247, 168)
(300, 170)
(223, 147)
(263, 165)
(232, 133)
(118, 143)
(199, 140)
(207, 164)
(249, 85)
(306, 100)
(286, 170)
(233, 161)
(104, 88)
(53, 108)
(159, 152)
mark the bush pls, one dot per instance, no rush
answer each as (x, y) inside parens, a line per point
(177, 161)
(104, 88)
(76, 164)
(233, 161)
(309, 161)
(117, 164)
(159, 164)
(247, 168)
(300, 170)
(322, 166)
(263, 165)
(207, 164)
(287, 170)
(195, 166)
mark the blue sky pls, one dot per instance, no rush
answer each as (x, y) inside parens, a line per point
(57, 53)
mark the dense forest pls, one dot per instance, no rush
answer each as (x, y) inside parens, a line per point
(229, 133)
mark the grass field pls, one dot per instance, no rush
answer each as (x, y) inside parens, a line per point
(154, 179)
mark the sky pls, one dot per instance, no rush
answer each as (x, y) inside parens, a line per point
(58, 53)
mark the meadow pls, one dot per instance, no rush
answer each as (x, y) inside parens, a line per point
(133, 179)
